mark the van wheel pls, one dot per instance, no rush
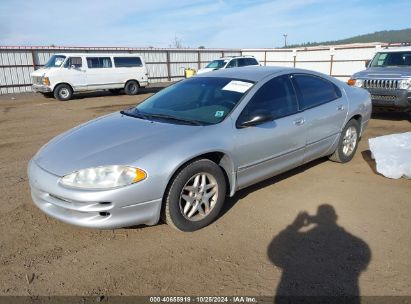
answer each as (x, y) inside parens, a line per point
(63, 92)
(195, 196)
(131, 87)
(348, 142)
(115, 91)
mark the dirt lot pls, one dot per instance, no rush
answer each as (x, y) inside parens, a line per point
(234, 256)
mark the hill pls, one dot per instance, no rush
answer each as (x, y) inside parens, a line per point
(382, 36)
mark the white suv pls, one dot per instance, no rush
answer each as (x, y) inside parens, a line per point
(229, 62)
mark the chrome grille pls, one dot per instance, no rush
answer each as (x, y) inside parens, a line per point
(37, 80)
(390, 84)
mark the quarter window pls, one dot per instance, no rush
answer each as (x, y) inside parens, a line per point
(127, 62)
(314, 90)
(99, 62)
(277, 96)
(233, 63)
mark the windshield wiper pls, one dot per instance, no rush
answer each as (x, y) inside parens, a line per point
(170, 117)
(133, 112)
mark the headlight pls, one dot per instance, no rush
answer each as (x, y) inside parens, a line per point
(404, 84)
(46, 81)
(105, 177)
(356, 82)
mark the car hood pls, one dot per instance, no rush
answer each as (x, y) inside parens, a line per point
(205, 70)
(114, 139)
(387, 72)
(41, 72)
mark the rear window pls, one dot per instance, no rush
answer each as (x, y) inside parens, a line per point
(99, 62)
(127, 62)
(315, 90)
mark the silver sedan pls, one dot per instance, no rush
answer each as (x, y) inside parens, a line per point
(181, 152)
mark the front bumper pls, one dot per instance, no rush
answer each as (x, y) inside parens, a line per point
(390, 98)
(41, 88)
(106, 209)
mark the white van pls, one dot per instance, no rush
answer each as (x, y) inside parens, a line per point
(65, 74)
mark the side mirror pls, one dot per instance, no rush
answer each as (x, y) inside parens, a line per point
(254, 120)
(367, 63)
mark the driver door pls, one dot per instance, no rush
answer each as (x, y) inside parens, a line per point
(273, 147)
(73, 73)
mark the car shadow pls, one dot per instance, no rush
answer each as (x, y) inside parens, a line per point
(231, 201)
(103, 93)
(391, 115)
(318, 259)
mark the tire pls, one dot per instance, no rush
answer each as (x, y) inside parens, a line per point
(179, 209)
(63, 92)
(348, 142)
(115, 91)
(131, 87)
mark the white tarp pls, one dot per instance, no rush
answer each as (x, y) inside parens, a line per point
(392, 153)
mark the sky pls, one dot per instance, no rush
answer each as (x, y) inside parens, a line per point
(213, 23)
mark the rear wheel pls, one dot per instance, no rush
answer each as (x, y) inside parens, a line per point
(131, 87)
(195, 196)
(63, 92)
(348, 142)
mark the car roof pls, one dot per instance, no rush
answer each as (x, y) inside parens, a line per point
(234, 57)
(251, 73)
(397, 49)
(98, 54)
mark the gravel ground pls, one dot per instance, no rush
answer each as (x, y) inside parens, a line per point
(254, 248)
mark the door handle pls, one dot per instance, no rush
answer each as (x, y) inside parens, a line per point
(340, 108)
(299, 121)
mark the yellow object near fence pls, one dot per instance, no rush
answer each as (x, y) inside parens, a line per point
(189, 72)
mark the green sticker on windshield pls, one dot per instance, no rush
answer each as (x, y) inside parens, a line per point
(219, 114)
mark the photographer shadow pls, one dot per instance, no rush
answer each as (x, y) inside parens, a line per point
(319, 259)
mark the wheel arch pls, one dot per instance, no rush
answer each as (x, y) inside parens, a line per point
(128, 80)
(220, 158)
(57, 84)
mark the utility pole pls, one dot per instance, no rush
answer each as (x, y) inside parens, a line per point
(285, 40)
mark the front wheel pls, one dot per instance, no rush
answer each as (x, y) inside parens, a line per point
(348, 142)
(195, 196)
(63, 92)
(131, 87)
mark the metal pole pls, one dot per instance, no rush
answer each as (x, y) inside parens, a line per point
(285, 40)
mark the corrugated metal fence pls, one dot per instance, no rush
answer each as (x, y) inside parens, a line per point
(16, 63)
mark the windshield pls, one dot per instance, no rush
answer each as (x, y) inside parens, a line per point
(392, 59)
(216, 64)
(198, 100)
(55, 61)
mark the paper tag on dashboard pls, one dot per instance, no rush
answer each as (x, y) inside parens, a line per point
(238, 86)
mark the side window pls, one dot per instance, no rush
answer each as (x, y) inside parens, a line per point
(251, 61)
(127, 62)
(98, 62)
(242, 62)
(76, 61)
(314, 90)
(233, 63)
(276, 96)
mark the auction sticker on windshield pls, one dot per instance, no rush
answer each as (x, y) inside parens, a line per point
(238, 86)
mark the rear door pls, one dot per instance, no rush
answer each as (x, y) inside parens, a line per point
(100, 73)
(276, 146)
(325, 110)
